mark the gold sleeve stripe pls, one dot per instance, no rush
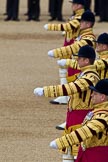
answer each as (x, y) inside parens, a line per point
(103, 115)
(78, 16)
(46, 91)
(68, 89)
(53, 91)
(54, 27)
(82, 83)
(77, 87)
(87, 97)
(59, 27)
(59, 90)
(75, 48)
(72, 63)
(62, 52)
(105, 70)
(59, 143)
(51, 27)
(100, 65)
(96, 125)
(68, 62)
(64, 141)
(73, 87)
(75, 23)
(84, 132)
(64, 27)
(90, 81)
(82, 43)
(72, 138)
(93, 127)
(67, 27)
(88, 38)
(68, 51)
(102, 71)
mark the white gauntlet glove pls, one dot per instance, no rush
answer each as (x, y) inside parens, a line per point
(63, 33)
(51, 53)
(61, 62)
(53, 145)
(46, 26)
(38, 91)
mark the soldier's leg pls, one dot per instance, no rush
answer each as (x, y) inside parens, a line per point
(63, 80)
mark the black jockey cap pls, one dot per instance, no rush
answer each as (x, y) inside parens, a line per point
(82, 2)
(88, 16)
(102, 38)
(101, 87)
(86, 52)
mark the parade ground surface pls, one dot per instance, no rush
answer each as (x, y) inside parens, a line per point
(27, 122)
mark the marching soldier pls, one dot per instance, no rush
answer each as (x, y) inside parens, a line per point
(73, 25)
(101, 62)
(71, 29)
(86, 36)
(93, 134)
(80, 96)
(102, 46)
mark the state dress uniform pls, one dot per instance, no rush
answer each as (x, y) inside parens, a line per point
(71, 30)
(93, 134)
(79, 103)
(85, 37)
(71, 27)
(101, 62)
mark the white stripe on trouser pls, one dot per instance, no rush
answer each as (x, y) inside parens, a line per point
(68, 157)
(63, 80)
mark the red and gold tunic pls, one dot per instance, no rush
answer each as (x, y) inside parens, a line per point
(101, 65)
(85, 37)
(71, 28)
(93, 136)
(78, 90)
(103, 54)
(79, 103)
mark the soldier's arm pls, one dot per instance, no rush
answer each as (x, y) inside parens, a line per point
(72, 63)
(72, 25)
(87, 131)
(68, 63)
(68, 51)
(78, 86)
(101, 64)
